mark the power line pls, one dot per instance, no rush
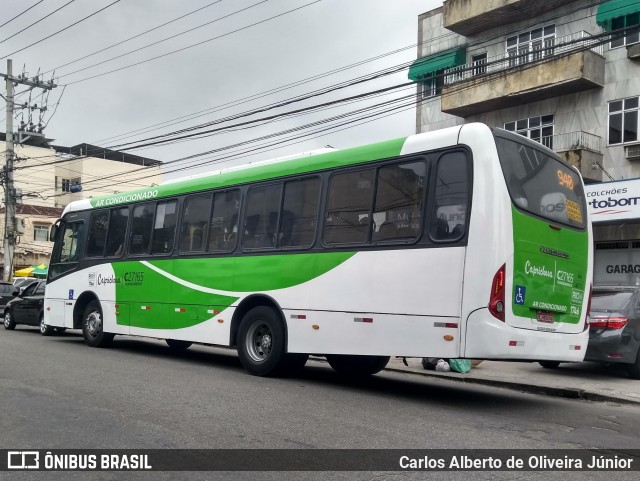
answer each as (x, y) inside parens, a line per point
(278, 144)
(21, 13)
(164, 39)
(195, 44)
(139, 141)
(62, 30)
(37, 21)
(249, 98)
(134, 37)
(533, 64)
(293, 84)
(459, 88)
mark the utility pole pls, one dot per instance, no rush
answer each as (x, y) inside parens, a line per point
(9, 188)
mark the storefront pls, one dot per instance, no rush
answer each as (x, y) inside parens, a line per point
(615, 214)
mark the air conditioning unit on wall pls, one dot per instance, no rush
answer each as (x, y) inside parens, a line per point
(632, 152)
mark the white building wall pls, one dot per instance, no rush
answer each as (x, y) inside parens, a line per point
(36, 171)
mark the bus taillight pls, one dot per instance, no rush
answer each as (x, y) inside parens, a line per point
(587, 319)
(496, 301)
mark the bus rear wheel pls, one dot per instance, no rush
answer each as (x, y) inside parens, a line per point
(549, 364)
(93, 326)
(178, 345)
(347, 365)
(261, 346)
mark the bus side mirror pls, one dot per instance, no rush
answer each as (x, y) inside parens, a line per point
(52, 232)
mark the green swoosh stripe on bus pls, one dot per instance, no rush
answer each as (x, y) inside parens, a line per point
(192, 282)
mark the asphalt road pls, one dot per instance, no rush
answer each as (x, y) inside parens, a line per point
(57, 393)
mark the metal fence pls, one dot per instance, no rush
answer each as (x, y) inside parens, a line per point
(525, 54)
(573, 141)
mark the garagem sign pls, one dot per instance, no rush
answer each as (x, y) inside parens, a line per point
(613, 200)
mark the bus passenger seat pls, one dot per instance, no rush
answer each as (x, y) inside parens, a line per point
(442, 229)
(458, 231)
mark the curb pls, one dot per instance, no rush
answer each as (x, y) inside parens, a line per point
(569, 393)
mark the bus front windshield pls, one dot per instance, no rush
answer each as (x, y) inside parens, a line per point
(540, 184)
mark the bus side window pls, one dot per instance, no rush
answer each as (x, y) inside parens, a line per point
(399, 197)
(299, 213)
(118, 220)
(261, 218)
(195, 223)
(67, 250)
(141, 225)
(224, 221)
(164, 227)
(348, 206)
(97, 237)
(451, 198)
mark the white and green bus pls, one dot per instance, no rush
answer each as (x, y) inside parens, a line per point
(465, 242)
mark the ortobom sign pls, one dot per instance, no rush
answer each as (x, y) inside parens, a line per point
(613, 200)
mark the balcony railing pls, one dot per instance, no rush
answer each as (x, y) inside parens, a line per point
(571, 141)
(576, 141)
(525, 54)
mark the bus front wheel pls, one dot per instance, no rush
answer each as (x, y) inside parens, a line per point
(93, 326)
(357, 365)
(261, 346)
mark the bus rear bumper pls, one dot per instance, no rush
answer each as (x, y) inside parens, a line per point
(489, 338)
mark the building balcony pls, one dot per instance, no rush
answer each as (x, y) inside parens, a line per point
(583, 150)
(559, 66)
(466, 17)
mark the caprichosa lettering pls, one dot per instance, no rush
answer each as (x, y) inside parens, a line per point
(537, 270)
(104, 280)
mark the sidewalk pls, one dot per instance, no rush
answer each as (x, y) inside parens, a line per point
(592, 381)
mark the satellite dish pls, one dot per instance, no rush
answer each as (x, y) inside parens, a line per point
(73, 188)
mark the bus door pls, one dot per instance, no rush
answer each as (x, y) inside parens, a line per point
(61, 292)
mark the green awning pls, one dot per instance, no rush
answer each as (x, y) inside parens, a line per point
(429, 65)
(611, 9)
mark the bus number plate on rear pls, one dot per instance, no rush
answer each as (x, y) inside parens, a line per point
(543, 316)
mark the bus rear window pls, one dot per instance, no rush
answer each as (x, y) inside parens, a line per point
(541, 184)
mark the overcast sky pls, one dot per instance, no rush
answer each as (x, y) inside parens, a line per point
(122, 106)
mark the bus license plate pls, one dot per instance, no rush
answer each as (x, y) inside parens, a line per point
(543, 316)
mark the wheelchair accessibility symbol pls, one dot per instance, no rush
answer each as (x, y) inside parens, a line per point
(521, 292)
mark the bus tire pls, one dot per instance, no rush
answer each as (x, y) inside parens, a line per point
(549, 364)
(93, 326)
(44, 329)
(9, 323)
(348, 365)
(261, 346)
(178, 345)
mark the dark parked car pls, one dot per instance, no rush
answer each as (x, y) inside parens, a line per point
(23, 282)
(614, 332)
(6, 294)
(28, 308)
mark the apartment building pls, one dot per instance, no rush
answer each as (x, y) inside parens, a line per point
(47, 177)
(563, 73)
